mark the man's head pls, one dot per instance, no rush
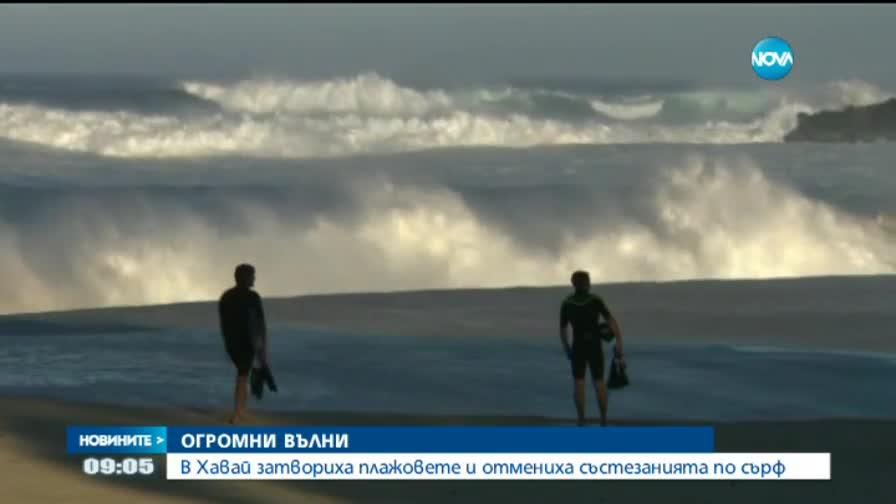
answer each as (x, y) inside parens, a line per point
(245, 275)
(581, 281)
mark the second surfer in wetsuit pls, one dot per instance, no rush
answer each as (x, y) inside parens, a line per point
(583, 310)
(244, 331)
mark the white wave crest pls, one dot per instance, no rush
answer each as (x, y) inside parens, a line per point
(853, 92)
(370, 114)
(129, 135)
(707, 218)
(367, 94)
(628, 111)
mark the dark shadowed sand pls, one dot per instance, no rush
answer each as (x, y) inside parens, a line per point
(36, 469)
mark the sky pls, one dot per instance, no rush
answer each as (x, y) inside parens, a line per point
(436, 44)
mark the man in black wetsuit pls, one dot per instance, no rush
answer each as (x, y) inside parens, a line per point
(244, 331)
(582, 310)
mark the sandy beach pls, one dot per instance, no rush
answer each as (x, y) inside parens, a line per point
(37, 469)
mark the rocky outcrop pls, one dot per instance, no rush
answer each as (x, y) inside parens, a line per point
(870, 123)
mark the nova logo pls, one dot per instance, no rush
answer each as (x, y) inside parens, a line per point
(772, 58)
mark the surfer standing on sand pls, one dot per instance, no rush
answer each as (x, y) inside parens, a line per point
(244, 331)
(582, 310)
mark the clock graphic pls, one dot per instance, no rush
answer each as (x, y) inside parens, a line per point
(109, 466)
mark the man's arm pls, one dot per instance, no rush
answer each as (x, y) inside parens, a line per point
(564, 332)
(614, 326)
(222, 322)
(620, 347)
(260, 326)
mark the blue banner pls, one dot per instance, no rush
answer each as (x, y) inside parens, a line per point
(111, 439)
(207, 439)
(441, 439)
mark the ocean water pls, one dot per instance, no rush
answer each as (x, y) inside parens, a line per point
(480, 376)
(123, 191)
(132, 191)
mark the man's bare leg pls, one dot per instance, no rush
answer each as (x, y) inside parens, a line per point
(579, 396)
(602, 400)
(240, 396)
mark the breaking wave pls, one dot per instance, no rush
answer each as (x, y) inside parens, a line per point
(372, 114)
(701, 218)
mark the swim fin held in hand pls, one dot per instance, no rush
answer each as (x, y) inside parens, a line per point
(618, 373)
(259, 377)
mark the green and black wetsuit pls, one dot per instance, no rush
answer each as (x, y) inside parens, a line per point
(583, 311)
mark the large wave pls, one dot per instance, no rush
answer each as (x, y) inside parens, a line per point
(700, 218)
(366, 95)
(372, 114)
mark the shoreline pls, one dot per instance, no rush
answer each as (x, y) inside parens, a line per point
(341, 296)
(854, 313)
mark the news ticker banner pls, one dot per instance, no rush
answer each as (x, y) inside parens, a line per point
(433, 453)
